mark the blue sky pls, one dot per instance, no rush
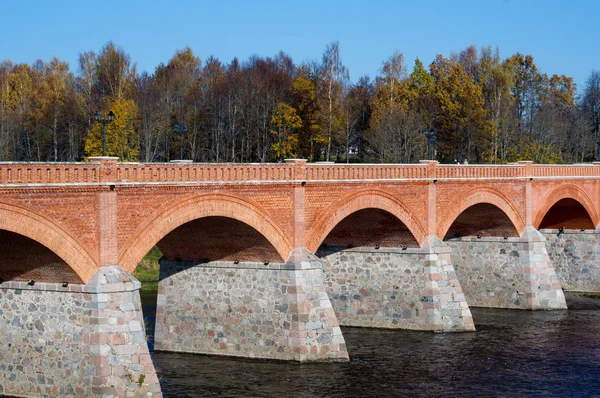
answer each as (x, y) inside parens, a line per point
(561, 35)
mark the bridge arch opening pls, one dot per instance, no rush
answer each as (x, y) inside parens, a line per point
(201, 241)
(482, 219)
(193, 209)
(217, 238)
(24, 259)
(568, 213)
(370, 227)
(486, 255)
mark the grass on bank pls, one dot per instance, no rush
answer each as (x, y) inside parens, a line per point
(148, 270)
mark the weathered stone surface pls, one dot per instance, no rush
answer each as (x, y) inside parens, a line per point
(394, 288)
(576, 258)
(75, 341)
(507, 273)
(277, 311)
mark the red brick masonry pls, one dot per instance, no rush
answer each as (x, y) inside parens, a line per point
(104, 212)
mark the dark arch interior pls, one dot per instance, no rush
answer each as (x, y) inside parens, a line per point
(23, 259)
(217, 238)
(370, 227)
(567, 213)
(482, 219)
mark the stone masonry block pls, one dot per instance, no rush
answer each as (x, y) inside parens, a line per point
(301, 319)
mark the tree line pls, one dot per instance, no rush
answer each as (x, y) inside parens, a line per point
(474, 105)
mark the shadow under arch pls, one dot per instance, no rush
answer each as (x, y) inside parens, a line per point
(193, 207)
(477, 197)
(28, 224)
(561, 193)
(362, 200)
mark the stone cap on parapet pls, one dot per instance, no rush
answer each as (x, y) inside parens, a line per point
(296, 161)
(104, 159)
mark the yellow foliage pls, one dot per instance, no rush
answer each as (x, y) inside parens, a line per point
(121, 139)
(284, 122)
(536, 151)
(304, 101)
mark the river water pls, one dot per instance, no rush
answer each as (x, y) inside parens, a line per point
(513, 353)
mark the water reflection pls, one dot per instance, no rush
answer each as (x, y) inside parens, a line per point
(513, 353)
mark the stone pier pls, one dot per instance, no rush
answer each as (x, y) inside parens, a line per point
(412, 288)
(576, 258)
(509, 272)
(60, 340)
(248, 309)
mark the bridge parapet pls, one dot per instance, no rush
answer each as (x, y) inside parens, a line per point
(106, 169)
(479, 171)
(316, 172)
(191, 172)
(48, 173)
(566, 170)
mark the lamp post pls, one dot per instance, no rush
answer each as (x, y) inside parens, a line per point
(180, 131)
(431, 139)
(109, 119)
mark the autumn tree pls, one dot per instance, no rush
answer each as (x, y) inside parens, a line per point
(332, 74)
(360, 99)
(115, 73)
(552, 119)
(396, 130)
(284, 125)
(591, 105)
(461, 123)
(304, 100)
(166, 101)
(21, 103)
(121, 138)
(88, 99)
(5, 69)
(495, 80)
(349, 117)
(525, 90)
(53, 98)
(148, 101)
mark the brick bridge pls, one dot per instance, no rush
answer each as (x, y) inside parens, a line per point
(267, 260)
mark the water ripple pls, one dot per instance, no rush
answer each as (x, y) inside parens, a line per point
(513, 353)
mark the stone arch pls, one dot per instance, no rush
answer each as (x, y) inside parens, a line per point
(39, 229)
(367, 199)
(193, 207)
(566, 192)
(480, 196)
